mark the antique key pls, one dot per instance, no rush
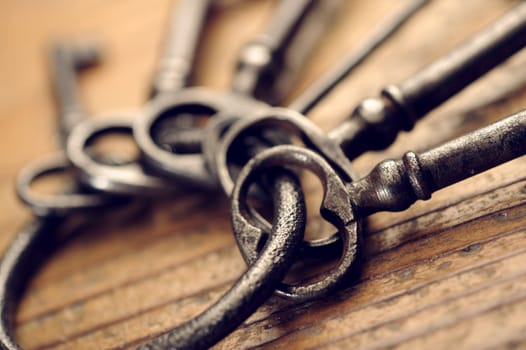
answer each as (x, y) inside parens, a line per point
(172, 75)
(66, 59)
(393, 185)
(379, 119)
(35, 241)
(268, 64)
(286, 24)
(375, 122)
(216, 129)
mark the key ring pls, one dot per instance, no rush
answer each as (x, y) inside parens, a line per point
(375, 122)
(391, 186)
(252, 289)
(332, 209)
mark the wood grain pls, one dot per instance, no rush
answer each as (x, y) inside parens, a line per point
(447, 273)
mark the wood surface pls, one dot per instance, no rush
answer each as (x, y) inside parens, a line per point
(447, 273)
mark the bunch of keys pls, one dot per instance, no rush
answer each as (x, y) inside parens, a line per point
(176, 152)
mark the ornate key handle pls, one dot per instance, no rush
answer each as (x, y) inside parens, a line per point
(393, 185)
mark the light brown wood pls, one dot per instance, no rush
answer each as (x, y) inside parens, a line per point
(447, 273)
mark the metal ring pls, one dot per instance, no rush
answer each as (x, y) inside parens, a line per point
(125, 179)
(285, 120)
(18, 263)
(55, 204)
(296, 124)
(335, 208)
(189, 167)
(252, 289)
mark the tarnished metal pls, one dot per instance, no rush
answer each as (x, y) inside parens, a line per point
(285, 27)
(172, 75)
(222, 164)
(375, 122)
(263, 72)
(257, 284)
(38, 239)
(20, 259)
(268, 65)
(66, 59)
(391, 186)
(460, 67)
(322, 86)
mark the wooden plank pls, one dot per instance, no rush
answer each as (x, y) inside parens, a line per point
(446, 273)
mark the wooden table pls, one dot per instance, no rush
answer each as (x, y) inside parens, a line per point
(447, 273)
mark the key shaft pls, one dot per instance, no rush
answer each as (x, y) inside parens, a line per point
(180, 45)
(268, 65)
(394, 185)
(375, 122)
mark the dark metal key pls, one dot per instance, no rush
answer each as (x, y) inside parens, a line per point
(375, 122)
(311, 96)
(268, 64)
(393, 185)
(189, 164)
(490, 46)
(173, 73)
(66, 59)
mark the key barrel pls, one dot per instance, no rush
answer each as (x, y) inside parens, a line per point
(395, 185)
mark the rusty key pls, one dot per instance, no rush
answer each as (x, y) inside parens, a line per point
(393, 185)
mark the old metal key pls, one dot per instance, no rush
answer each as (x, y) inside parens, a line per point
(393, 185)
(375, 122)
(215, 135)
(66, 60)
(171, 76)
(268, 64)
(190, 166)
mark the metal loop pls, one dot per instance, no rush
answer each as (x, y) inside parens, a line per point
(37, 241)
(285, 120)
(194, 101)
(127, 179)
(335, 208)
(54, 204)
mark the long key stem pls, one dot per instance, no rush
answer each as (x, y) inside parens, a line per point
(184, 29)
(375, 123)
(268, 64)
(321, 87)
(393, 185)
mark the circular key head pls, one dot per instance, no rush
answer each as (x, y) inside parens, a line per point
(287, 124)
(250, 228)
(122, 174)
(68, 199)
(185, 161)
